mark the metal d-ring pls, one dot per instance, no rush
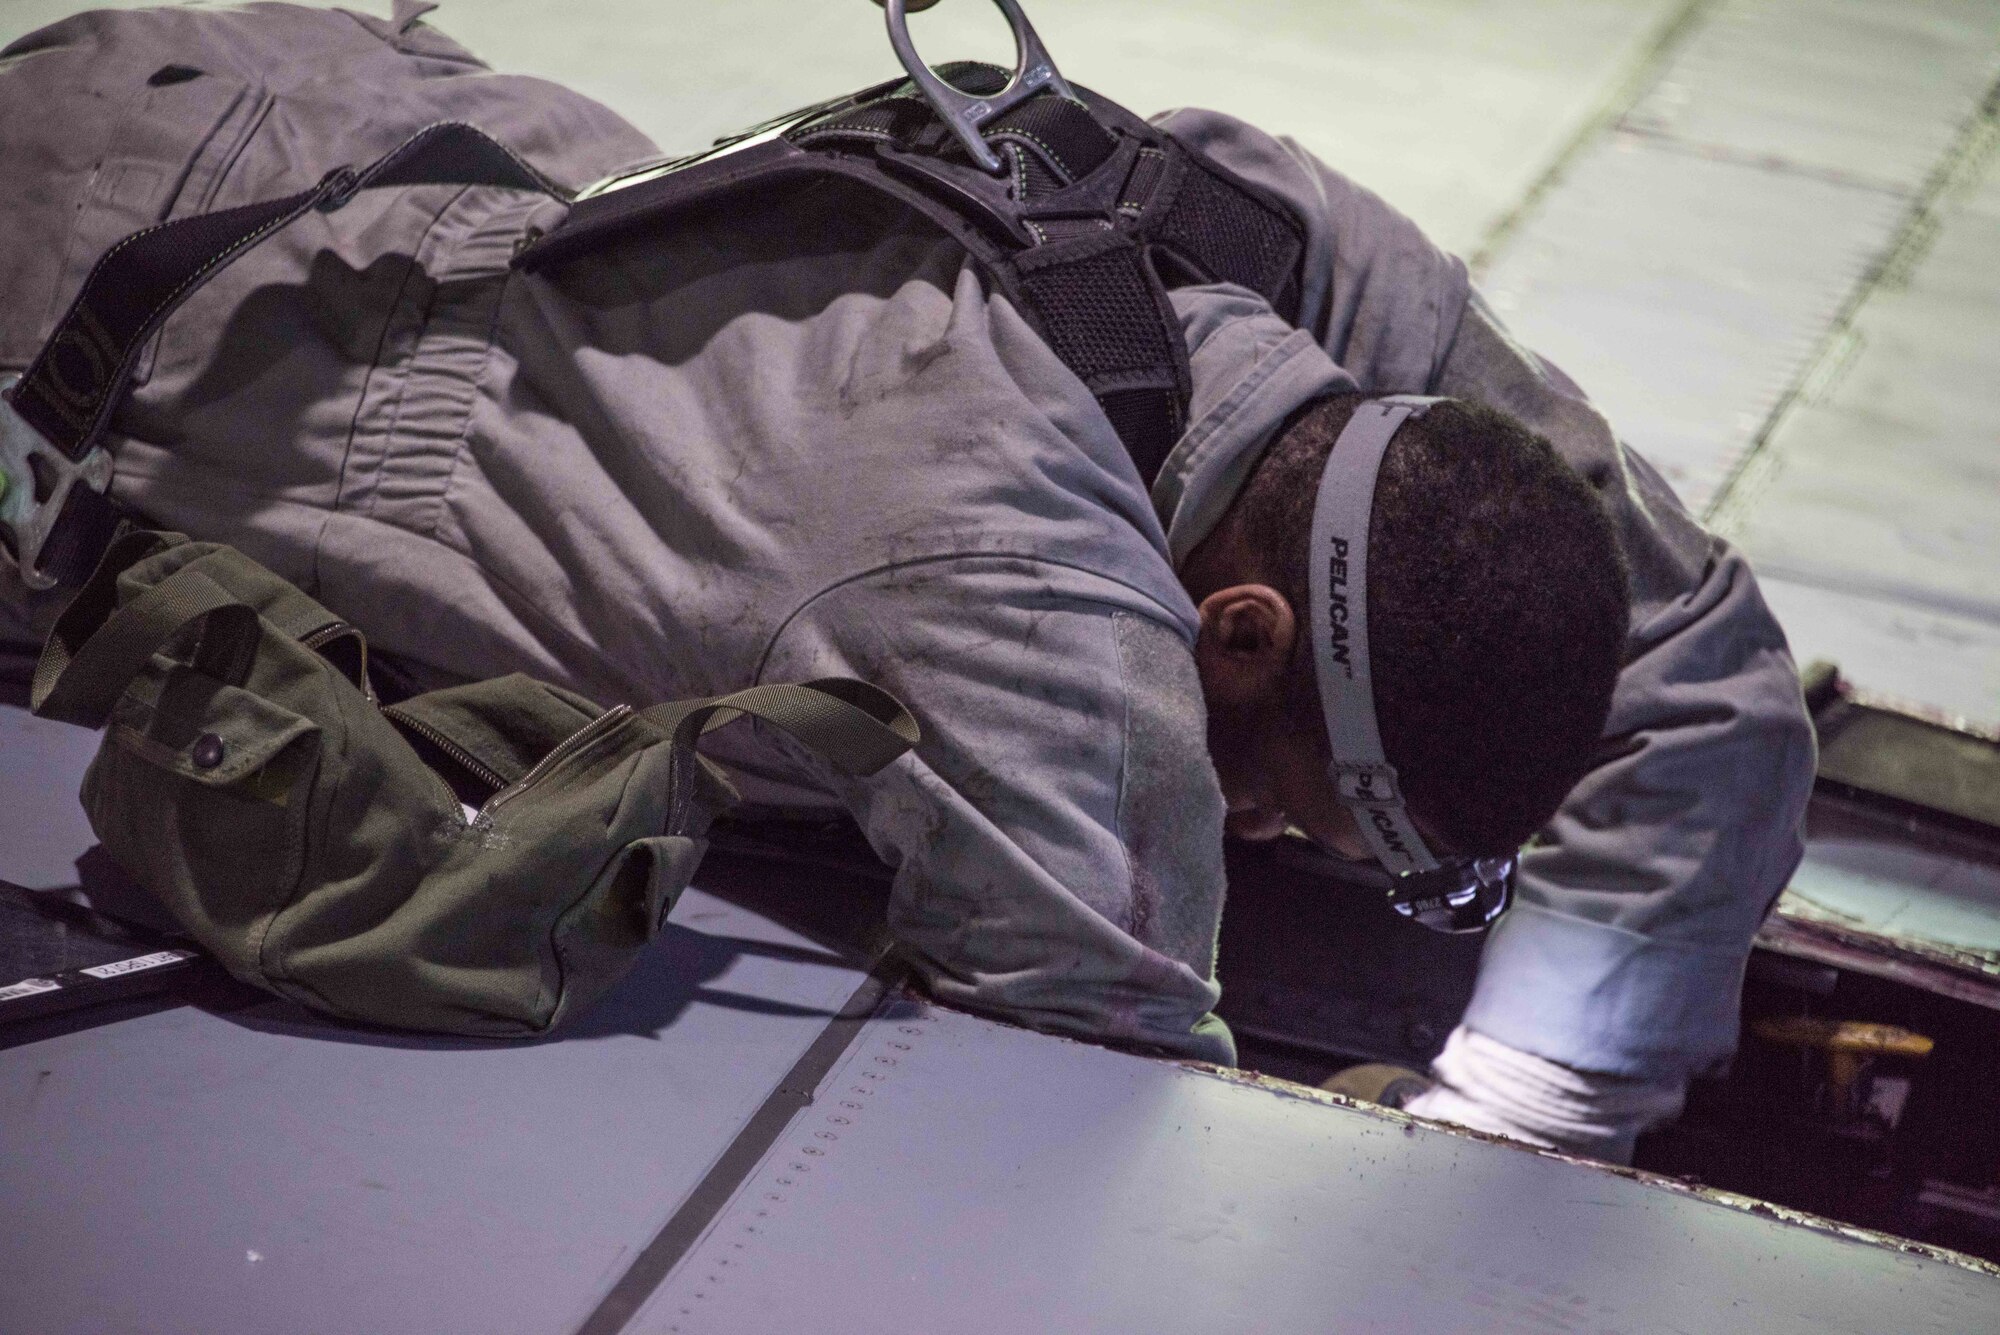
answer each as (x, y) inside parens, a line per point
(1033, 71)
(28, 464)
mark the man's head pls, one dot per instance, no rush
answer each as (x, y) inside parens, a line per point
(1497, 610)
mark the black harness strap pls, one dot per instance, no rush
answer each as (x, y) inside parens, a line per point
(1229, 235)
(69, 392)
(1105, 314)
(88, 522)
(1099, 214)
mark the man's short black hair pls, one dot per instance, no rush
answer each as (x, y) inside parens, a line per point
(1497, 609)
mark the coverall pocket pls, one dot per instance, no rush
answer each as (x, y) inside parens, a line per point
(181, 130)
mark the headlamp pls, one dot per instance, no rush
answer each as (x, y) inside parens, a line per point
(1455, 894)
(1459, 895)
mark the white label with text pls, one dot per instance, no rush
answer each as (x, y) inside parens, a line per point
(139, 964)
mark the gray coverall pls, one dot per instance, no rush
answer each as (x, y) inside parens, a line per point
(804, 439)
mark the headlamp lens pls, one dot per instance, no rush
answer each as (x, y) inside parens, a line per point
(1457, 896)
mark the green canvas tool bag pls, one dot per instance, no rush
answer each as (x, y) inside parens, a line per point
(483, 860)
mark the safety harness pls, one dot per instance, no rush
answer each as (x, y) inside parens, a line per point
(1081, 213)
(1091, 218)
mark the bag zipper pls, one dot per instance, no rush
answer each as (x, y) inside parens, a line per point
(465, 758)
(332, 630)
(502, 790)
(336, 630)
(567, 747)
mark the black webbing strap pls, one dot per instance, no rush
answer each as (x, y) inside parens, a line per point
(1099, 216)
(86, 526)
(75, 383)
(1105, 314)
(1086, 283)
(1229, 233)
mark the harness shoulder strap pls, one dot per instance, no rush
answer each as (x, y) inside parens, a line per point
(1096, 216)
(58, 516)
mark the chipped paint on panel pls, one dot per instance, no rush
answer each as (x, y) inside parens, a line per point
(1683, 1186)
(993, 1179)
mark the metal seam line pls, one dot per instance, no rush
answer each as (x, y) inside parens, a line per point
(1724, 513)
(1645, 69)
(787, 1099)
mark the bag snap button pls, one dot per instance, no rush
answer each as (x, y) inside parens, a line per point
(207, 753)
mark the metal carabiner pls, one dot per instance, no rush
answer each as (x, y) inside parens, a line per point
(35, 481)
(965, 114)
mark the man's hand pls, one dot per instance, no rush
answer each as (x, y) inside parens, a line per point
(1488, 1086)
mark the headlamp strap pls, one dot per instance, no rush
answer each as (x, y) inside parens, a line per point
(1338, 587)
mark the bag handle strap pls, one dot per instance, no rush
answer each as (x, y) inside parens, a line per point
(84, 669)
(857, 727)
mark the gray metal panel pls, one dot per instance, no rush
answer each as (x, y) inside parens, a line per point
(958, 1175)
(1903, 894)
(1873, 511)
(1890, 488)
(1686, 294)
(1882, 894)
(263, 1171)
(1693, 269)
(1687, 266)
(42, 827)
(1871, 89)
(1951, 663)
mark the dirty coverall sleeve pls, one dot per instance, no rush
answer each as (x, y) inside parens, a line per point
(1625, 952)
(1057, 833)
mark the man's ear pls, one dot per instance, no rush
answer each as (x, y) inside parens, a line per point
(1245, 641)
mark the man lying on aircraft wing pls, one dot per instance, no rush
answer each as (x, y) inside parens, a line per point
(825, 424)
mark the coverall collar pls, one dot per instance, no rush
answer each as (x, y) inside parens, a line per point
(1251, 370)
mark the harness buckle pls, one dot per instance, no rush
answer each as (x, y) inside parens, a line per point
(965, 114)
(35, 483)
(337, 188)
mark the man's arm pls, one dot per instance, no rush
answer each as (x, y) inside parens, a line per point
(1624, 957)
(1647, 887)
